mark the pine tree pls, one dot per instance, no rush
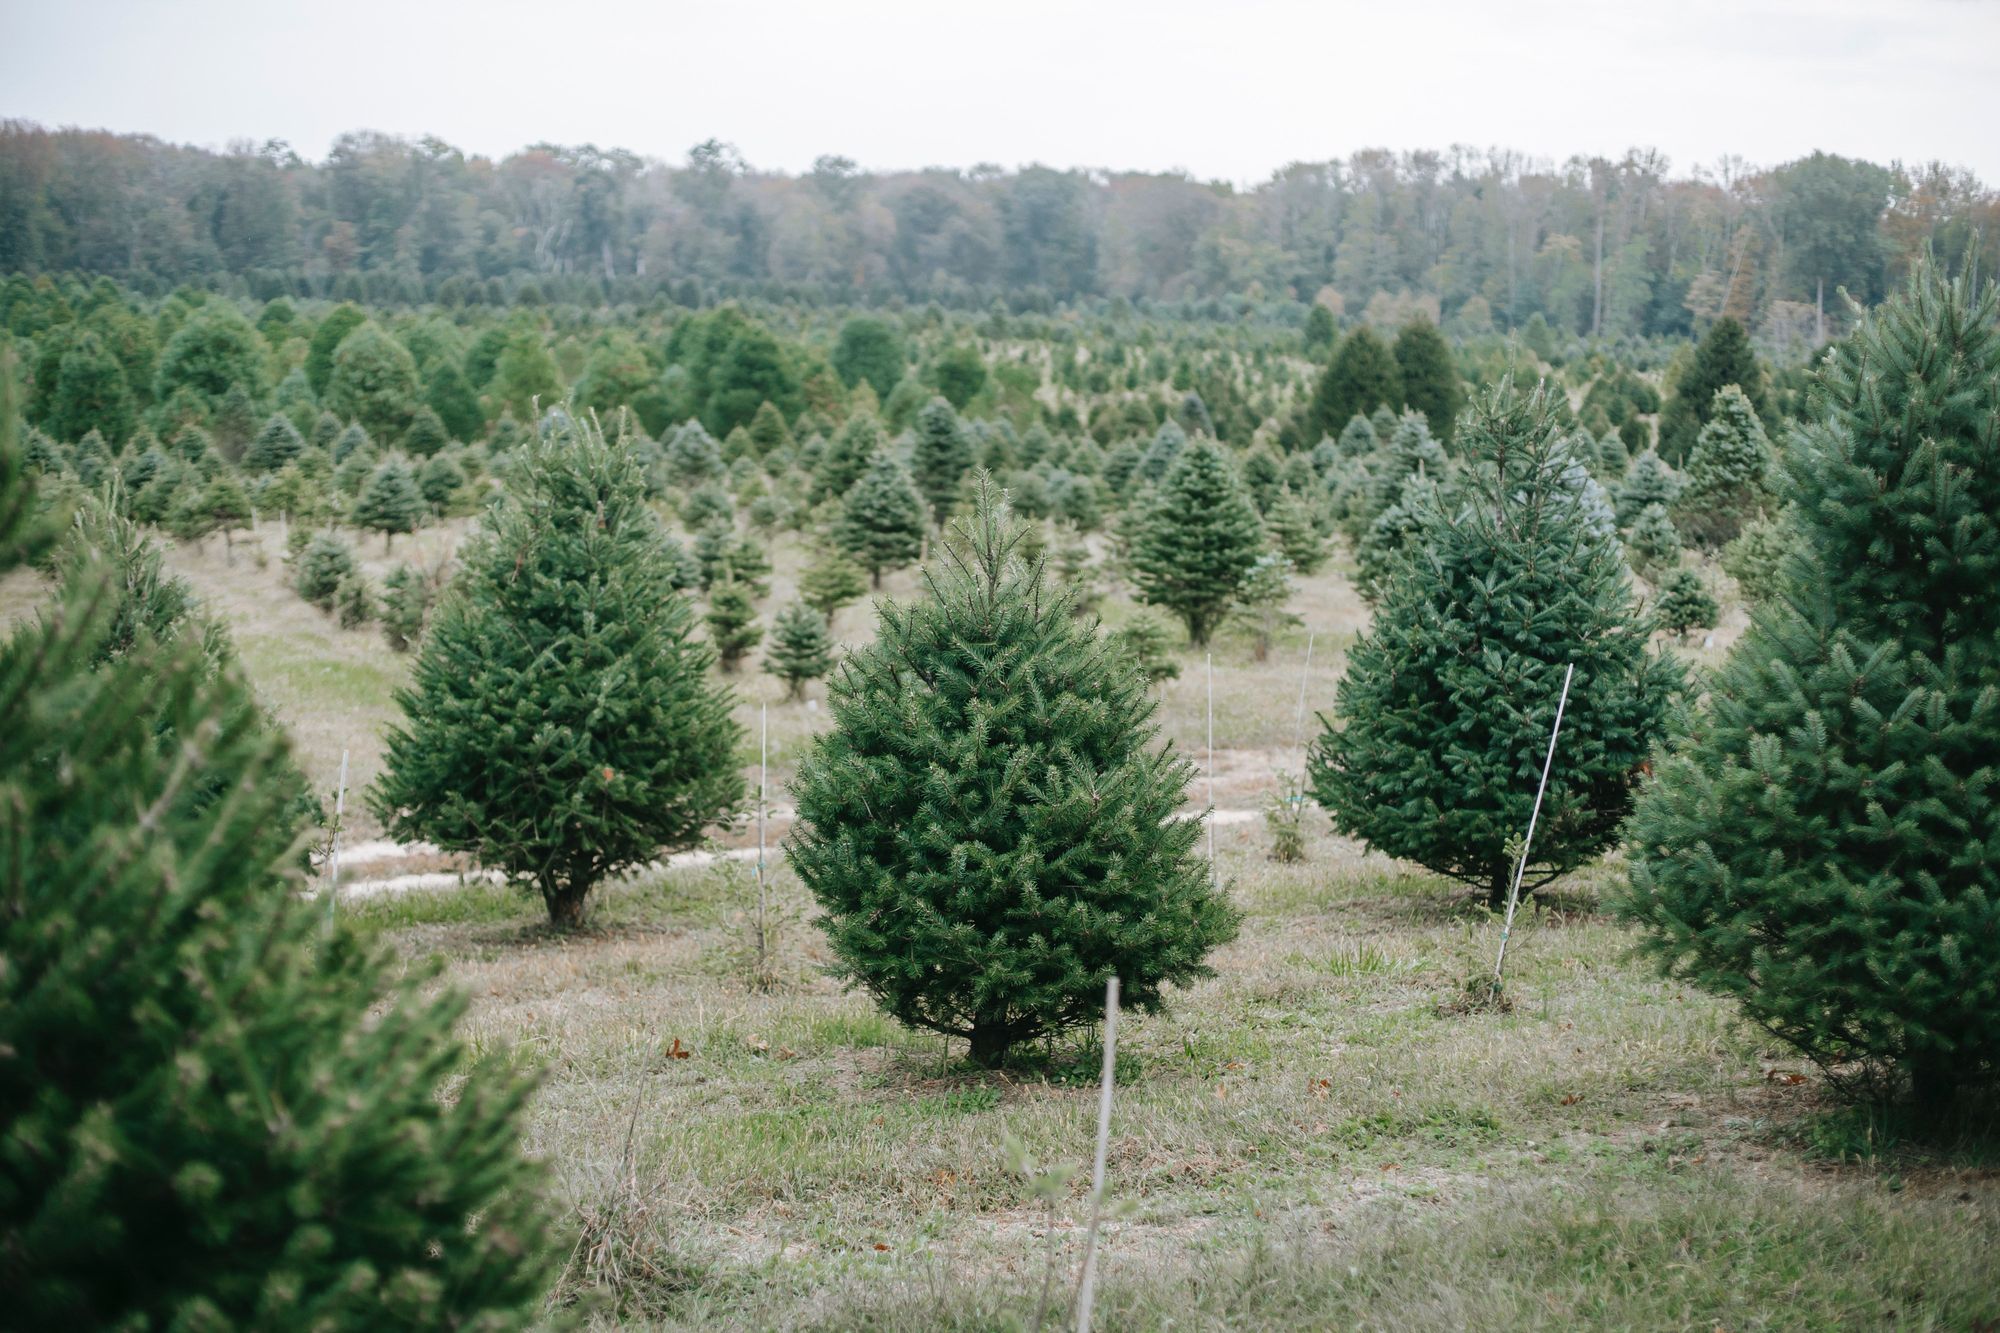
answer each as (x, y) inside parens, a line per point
(732, 621)
(229, 511)
(440, 482)
(1320, 330)
(560, 727)
(407, 596)
(1727, 473)
(769, 433)
(1723, 357)
(1686, 603)
(846, 457)
(390, 503)
(188, 518)
(988, 826)
(1260, 602)
(277, 443)
(1165, 450)
(1195, 543)
(831, 582)
(939, 456)
(219, 1107)
(1143, 640)
(1757, 557)
(374, 383)
(1429, 380)
(1649, 481)
(881, 523)
(1443, 717)
(692, 456)
(354, 601)
(1823, 846)
(322, 566)
(801, 648)
(326, 340)
(1294, 533)
(1654, 543)
(426, 434)
(1360, 378)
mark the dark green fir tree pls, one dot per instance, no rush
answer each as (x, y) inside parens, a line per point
(1823, 846)
(1723, 357)
(1429, 379)
(560, 724)
(940, 453)
(1443, 718)
(1686, 604)
(1195, 544)
(881, 523)
(989, 827)
(801, 649)
(732, 620)
(390, 503)
(1360, 378)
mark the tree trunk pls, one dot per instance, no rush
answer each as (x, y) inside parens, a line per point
(1497, 887)
(565, 906)
(989, 1044)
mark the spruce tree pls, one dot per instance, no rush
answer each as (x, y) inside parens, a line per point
(1728, 473)
(801, 648)
(406, 604)
(1193, 546)
(1428, 378)
(1143, 640)
(1294, 532)
(989, 827)
(881, 523)
(846, 457)
(939, 456)
(1823, 846)
(276, 444)
(1686, 603)
(219, 1108)
(1653, 544)
(1359, 379)
(1260, 602)
(325, 562)
(390, 503)
(1443, 717)
(1723, 357)
(560, 726)
(831, 582)
(1649, 481)
(732, 621)
(440, 482)
(229, 510)
(427, 433)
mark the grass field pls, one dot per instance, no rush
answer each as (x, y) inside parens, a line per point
(1319, 1136)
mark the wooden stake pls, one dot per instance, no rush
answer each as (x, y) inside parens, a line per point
(1087, 1290)
(1521, 868)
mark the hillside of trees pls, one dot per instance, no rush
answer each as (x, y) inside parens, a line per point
(1475, 240)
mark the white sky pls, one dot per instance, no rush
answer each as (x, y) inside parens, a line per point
(1230, 89)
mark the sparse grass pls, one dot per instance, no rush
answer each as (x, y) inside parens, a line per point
(1312, 1138)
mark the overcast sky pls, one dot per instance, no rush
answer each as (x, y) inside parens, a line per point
(1231, 89)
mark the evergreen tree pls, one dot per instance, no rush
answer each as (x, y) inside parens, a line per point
(407, 596)
(326, 339)
(560, 726)
(322, 566)
(440, 482)
(457, 406)
(1727, 473)
(1648, 482)
(219, 1108)
(1429, 380)
(374, 383)
(831, 582)
(1443, 717)
(801, 648)
(869, 349)
(1757, 557)
(1260, 602)
(1143, 640)
(988, 826)
(426, 435)
(1321, 331)
(91, 394)
(732, 621)
(354, 601)
(277, 443)
(1294, 534)
(846, 457)
(692, 456)
(939, 456)
(229, 511)
(1723, 357)
(1654, 544)
(1824, 846)
(1686, 604)
(351, 441)
(1163, 452)
(769, 434)
(881, 523)
(1360, 378)
(1263, 476)
(188, 518)
(1192, 548)
(390, 503)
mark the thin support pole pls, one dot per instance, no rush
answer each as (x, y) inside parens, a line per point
(1210, 766)
(1087, 1291)
(763, 795)
(339, 818)
(1299, 726)
(1521, 868)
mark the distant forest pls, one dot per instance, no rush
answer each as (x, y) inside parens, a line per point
(1477, 240)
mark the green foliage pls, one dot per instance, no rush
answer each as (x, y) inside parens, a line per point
(730, 365)
(1443, 717)
(1686, 603)
(390, 503)
(732, 621)
(960, 373)
(457, 406)
(1823, 846)
(408, 594)
(218, 1107)
(1727, 473)
(1723, 357)
(277, 443)
(939, 456)
(881, 523)
(869, 349)
(801, 648)
(1260, 602)
(988, 826)
(440, 482)
(213, 352)
(374, 383)
(90, 394)
(560, 725)
(1428, 378)
(1194, 545)
(1360, 378)
(426, 434)
(831, 582)
(1144, 641)
(321, 568)
(1756, 558)
(1654, 543)
(1649, 481)
(1321, 330)
(846, 457)
(354, 601)
(341, 321)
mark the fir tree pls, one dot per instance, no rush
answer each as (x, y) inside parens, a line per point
(1823, 846)
(732, 621)
(1727, 473)
(229, 511)
(1143, 640)
(1429, 380)
(326, 340)
(1686, 603)
(188, 518)
(692, 456)
(456, 405)
(1360, 378)
(426, 434)
(831, 582)
(1294, 533)
(1193, 546)
(881, 523)
(769, 434)
(1757, 557)
(322, 566)
(939, 456)
(560, 726)
(1260, 602)
(374, 383)
(1163, 452)
(1654, 544)
(801, 648)
(277, 443)
(846, 457)
(988, 826)
(440, 482)
(1723, 357)
(407, 595)
(1649, 481)
(390, 503)
(1443, 717)
(354, 601)
(219, 1107)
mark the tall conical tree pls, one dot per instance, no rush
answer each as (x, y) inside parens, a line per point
(989, 827)
(1824, 845)
(560, 723)
(1443, 718)
(219, 1108)
(1728, 473)
(1360, 378)
(1192, 549)
(1724, 356)
(1428, 377)
(801, 648)
(390, 503)
(939, 456)
(881, 523)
